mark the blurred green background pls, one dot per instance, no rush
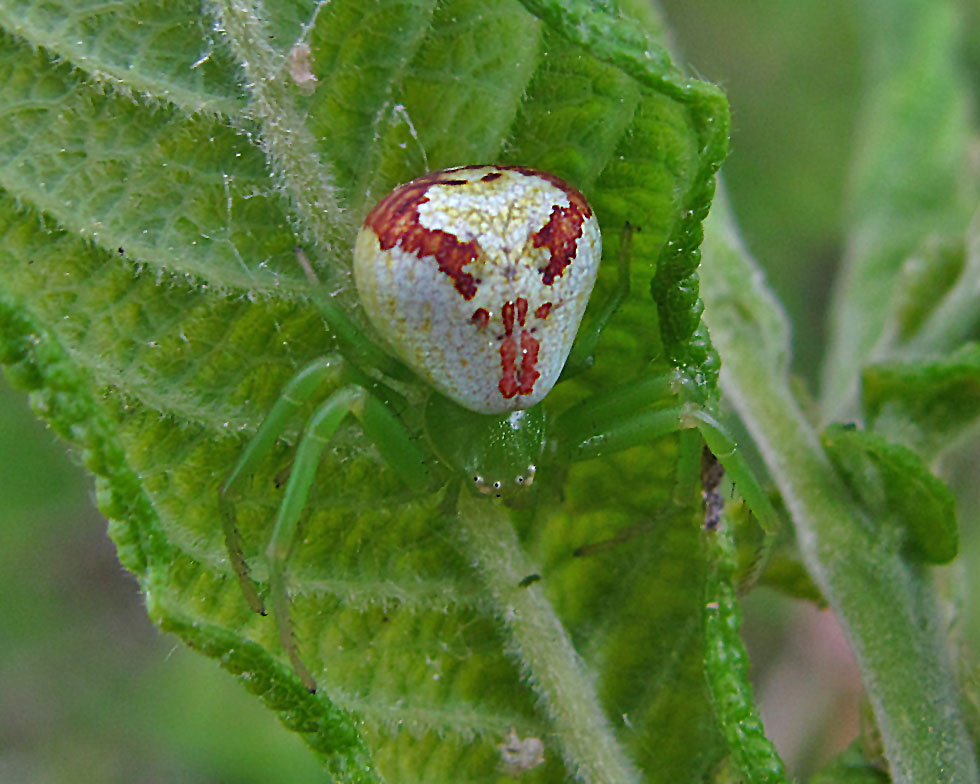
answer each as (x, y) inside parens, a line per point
(91, 692)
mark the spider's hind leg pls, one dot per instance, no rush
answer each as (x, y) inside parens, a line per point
(298, 391)
(723, 446)
(396, 445)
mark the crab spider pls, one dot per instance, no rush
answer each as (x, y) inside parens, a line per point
(477, 278)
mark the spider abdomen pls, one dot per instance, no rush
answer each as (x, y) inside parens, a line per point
(478, 277)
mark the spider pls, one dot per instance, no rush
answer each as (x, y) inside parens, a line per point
(477, 277)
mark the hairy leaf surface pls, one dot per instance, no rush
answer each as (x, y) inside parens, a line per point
(929, 404)
(894, 485)
(157, 169)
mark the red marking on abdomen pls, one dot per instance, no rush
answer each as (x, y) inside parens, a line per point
(576, 199)
(481, 317)
(521, 310)
(563, 229)
(508, 385)
(395, 219)
(508, 315)
(543, 311)
(529, 363)
(560, 236)
(517, 379)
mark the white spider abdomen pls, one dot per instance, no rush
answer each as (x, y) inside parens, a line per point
(478, 277)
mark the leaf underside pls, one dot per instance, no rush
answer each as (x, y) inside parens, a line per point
(150, 298)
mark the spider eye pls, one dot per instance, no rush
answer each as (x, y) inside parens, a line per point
(496, 485)
(520, 480)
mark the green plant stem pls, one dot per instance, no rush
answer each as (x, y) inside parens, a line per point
(304, 176)
(885, 605)
(540, 644)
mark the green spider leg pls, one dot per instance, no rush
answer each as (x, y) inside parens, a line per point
(656, 406)
(363, 353)
(653, 407)
(351, 397)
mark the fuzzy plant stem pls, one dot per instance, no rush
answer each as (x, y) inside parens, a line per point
(541, 646)
(885, 604)
(303, 175)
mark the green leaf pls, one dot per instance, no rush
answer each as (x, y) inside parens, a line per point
(956, 317)
(925, 278)
(910, 178)
(787, 574)
(925, 404)
(895, 486)
(157, 169)
(151, 48)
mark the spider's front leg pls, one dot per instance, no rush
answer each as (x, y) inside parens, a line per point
(350, 396)
(652, 407)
